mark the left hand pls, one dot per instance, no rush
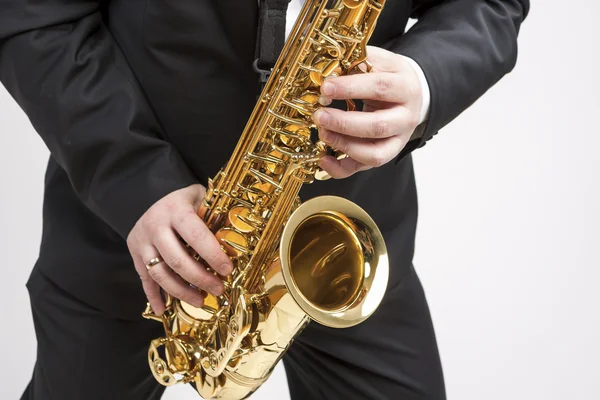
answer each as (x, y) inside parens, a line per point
(392, 97)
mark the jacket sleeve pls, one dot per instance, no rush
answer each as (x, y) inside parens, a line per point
(463, 47)
(60, 63)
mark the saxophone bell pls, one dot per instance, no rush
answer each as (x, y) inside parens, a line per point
(334, 261)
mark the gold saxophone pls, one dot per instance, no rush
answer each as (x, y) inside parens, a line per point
(324, 259)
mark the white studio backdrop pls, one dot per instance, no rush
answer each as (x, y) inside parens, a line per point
(508, 244)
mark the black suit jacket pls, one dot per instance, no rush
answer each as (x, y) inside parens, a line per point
(137, 98)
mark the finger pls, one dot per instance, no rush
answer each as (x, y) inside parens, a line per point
(373, 153)
(151, 288)
(375, 125)
(180, 261)
(339, 169)
(195, 233)
(383, 60)
(175, 285)
(381, 86)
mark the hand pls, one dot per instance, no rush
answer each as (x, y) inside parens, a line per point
(392, 97)
(155, 235)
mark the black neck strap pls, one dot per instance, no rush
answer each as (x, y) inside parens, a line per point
(271, 36)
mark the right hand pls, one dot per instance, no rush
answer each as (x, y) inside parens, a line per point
(155, 235)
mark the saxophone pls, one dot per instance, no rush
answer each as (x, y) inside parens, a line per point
(323, 260)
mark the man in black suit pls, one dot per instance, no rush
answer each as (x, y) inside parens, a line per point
(140, 101)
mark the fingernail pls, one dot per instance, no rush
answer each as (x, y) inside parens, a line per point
(198, 303)
(327, 89)
(323, 135)
(325, 101)
(226, 269)
(321, 117)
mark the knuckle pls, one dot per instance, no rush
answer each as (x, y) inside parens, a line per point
(335, 122)
(198, 235)
(379, 128)
(162, 237)
(338, 143)
(334, 140)
(349, 90)
(216, 259)
(180, 293)
(150, 223)
(343, 145)
(158, 277)
(169, 204)
(383, 84)
(202, 281)
(153, 212)
(342, 124)
(175, 262)
(182, 215)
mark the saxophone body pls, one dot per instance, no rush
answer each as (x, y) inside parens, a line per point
(322, 260)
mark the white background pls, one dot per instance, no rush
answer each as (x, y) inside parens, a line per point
(508, 239)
